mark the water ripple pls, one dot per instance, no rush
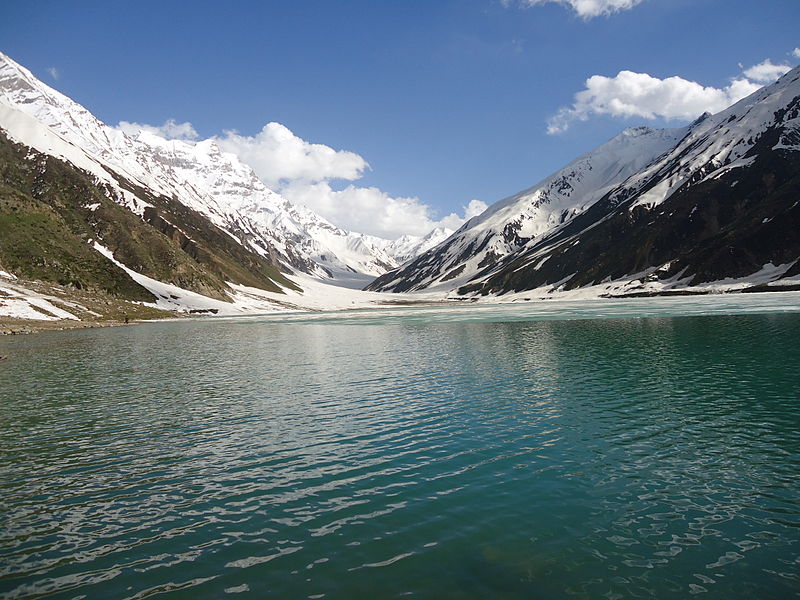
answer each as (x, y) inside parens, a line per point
(392, 456)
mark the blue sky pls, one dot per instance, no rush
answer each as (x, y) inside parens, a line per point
(448, 101)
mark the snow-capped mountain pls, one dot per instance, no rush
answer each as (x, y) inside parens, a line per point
(717, 199)
(509, 224)
(242, 204)
(407, 247)
(70, 219)
(202, 177)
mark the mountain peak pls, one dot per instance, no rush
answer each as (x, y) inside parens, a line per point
(700, 119)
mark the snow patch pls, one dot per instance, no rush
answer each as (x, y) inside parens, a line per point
(21, 303)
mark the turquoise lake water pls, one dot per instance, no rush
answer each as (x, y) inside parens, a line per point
(559, 450)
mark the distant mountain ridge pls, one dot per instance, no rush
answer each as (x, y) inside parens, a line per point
(655, 209)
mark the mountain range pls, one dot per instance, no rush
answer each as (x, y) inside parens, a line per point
(710, 206)
(714, 205)
(199, 176)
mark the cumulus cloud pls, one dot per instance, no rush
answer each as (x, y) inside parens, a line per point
(278, 156)
(630, 94)
(454, 221)
(54, 73)
(586, 9)
(363, 209)
(302, 172)
(373, 211)
(766, 72)
(170, 130)
(474, 208)
(796, 52)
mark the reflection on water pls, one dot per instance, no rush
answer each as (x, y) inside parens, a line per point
(380, 457)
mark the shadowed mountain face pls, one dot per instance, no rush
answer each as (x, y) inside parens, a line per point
(724, 228)
(718, 199)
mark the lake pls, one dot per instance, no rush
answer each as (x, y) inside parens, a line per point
(643, 448)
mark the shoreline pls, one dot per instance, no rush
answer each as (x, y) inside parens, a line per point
(11, 326)
(15, 326)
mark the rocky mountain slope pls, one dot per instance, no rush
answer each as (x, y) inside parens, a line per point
(717, 200)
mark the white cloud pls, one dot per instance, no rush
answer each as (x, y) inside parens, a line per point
(303, 171)
(586, 9)
(630, 94)
(54, 73)
(473, 209)
(373, 211)
(796, 52)
(170, 130)
(363, 209)
(277, 156)
(766, 72)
